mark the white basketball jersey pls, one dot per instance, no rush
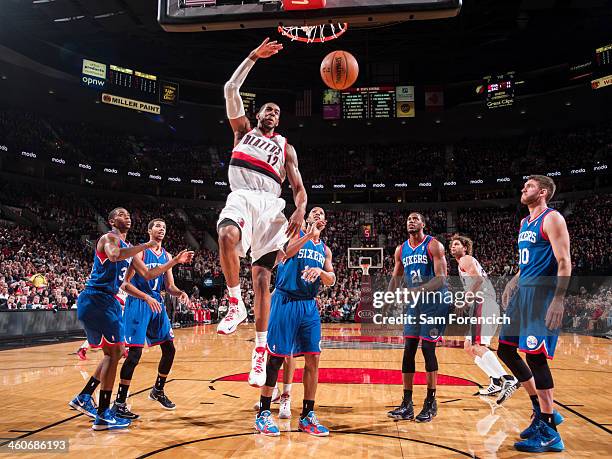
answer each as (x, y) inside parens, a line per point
(486, 288)
(258, 163)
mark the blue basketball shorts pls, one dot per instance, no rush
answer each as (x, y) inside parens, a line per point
(294, 327)
(142, 325)
(101, 315)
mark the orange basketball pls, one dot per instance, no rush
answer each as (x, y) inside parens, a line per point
(339, 70)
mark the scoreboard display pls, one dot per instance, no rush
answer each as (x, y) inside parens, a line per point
(138, 83)
(499, 90)
(366, 103)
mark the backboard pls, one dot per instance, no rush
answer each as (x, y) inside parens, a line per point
(211, 15)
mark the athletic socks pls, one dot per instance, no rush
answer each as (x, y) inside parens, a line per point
(431, 394)
(261, 339)
(264, 404)
(490, 365)
(549, 419)
(535, 402)
(407, 395)
(159, 382)
(493, 365)
(122, 393)
(234, 292)
(307, 407)
(91, 385)
(104, 402)
(287, 388)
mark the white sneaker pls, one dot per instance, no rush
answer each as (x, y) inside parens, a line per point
(257, 375)
(284, 412)
(275, 398)
(236, 314)
(493, 388)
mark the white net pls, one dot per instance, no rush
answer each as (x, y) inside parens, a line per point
(318, 33)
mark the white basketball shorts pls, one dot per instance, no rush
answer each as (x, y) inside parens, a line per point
(259, 215)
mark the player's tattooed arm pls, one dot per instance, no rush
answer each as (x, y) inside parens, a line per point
(172, 289)
(109, 244)
(555, 229)
(233, 102)
(131, 290)
(183, 257)
(469, 266)
(300, 198)
(509, 289)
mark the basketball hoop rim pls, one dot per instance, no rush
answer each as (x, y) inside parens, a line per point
(286, 31)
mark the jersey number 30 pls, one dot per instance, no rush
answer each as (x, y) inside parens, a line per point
(524, 256)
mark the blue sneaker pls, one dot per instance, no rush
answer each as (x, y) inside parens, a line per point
(535, 418)
(264, 424)
(108, 421)
(311, 425)
(545, 439)
(85, 404)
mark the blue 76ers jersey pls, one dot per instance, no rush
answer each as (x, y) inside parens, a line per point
(289, 274)
(418, 264)
(106, 275)
(536, 257)
(152, 287)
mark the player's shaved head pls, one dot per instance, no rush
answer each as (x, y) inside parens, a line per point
(272, 105)
(113, 213)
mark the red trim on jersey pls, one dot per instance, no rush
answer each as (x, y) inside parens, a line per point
(428, 251)
(509, 343)
(161, 342)
(285, 151)
(101, 256)
(254, 161)
(161, 251)
(418, 245)
(522, 221)
(538, 216)
(542, 233)
(119, 300)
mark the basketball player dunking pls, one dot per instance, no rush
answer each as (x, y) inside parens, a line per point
(476, 282)
(534, 300)
(295, 323)
(145, 318)
(100, 313)
(253, 214)
(421, 261)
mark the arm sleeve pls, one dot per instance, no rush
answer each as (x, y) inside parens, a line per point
(233, 101)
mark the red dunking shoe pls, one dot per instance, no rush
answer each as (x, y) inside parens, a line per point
(82, 353)
(236, 314)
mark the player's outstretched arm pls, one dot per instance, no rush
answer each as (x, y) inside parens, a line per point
(233, 102)
(109, 244)
(300, 198)
(555, 228)
(131, 290)
(183, 257)
(172, 289)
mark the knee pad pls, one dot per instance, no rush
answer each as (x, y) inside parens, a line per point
(272, 367)
(167, 357)
(509, 355)
(128, 367)
(541, 371)
(410, 350)
(429, 353)
(267, 261)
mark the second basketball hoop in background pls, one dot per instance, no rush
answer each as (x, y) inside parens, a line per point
(339, 70)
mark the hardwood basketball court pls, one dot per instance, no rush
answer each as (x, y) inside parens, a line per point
(359, 382)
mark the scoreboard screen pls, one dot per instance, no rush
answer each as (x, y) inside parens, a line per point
(500, 90)
(139, 84)
(365, 103)
(603, 56)
(250, 107)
